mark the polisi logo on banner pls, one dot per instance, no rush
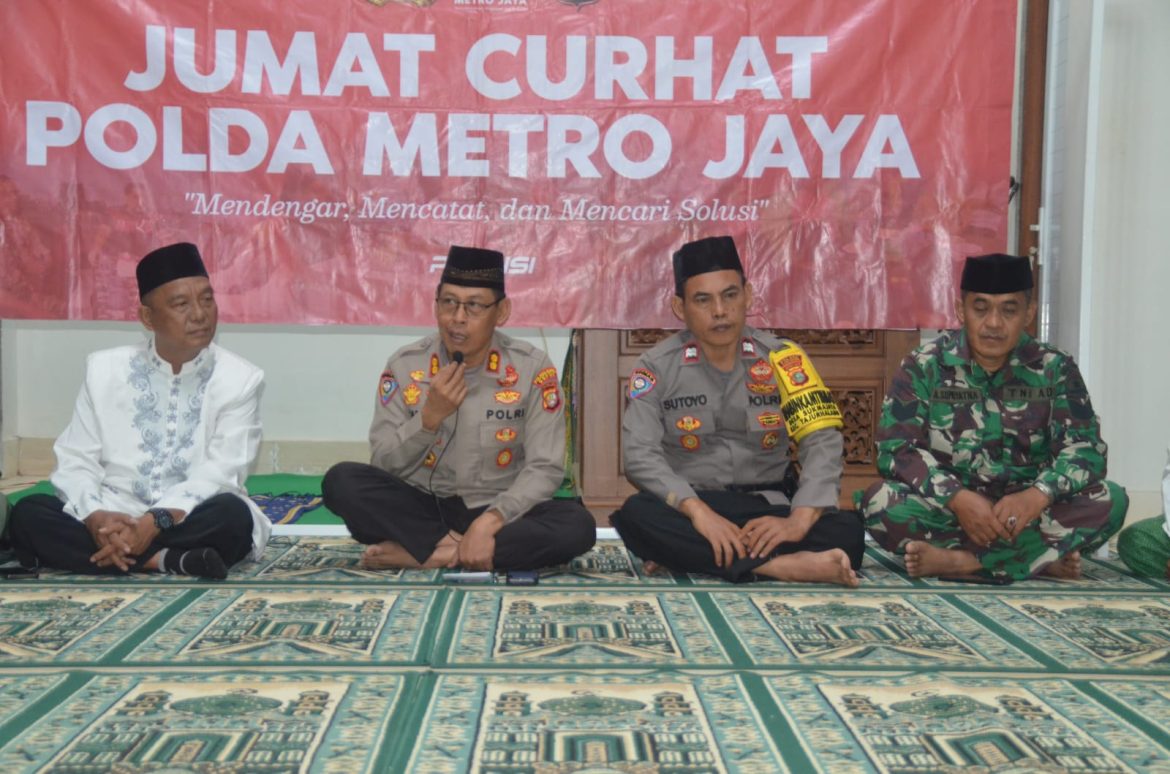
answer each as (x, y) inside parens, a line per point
(505, 5)
(513, 264)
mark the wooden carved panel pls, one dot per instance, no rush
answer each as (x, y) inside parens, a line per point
(859, 409)
(636, 342)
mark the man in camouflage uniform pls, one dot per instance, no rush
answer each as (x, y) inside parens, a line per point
(991, 453)
(704, 438)
(467, 443)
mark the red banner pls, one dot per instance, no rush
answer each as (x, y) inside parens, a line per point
(324, 155)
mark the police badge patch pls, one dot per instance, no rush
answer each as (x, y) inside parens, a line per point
(769, 419)
(689, 442)
(642, 381)
(387, 386)
(411, 393)
(550, 398)
(510, 376)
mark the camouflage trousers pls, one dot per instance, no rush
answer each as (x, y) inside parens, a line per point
(895, 515)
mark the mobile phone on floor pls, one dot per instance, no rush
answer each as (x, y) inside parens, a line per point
(522, 578)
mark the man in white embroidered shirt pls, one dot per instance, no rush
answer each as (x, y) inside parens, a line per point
(150, 471)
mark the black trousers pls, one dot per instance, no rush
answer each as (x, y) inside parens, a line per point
(377, 506)
(656, 532)
(45, 536)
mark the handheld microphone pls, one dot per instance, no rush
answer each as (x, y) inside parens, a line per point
(457, 357)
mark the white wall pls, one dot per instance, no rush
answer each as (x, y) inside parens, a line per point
(1107, 205)
(1129, 356)
(320, 381)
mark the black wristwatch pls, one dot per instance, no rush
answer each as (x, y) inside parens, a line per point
(162, 518)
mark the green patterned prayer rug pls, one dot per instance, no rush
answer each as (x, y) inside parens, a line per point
(307, 662)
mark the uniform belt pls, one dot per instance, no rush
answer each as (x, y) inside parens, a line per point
(771, 486)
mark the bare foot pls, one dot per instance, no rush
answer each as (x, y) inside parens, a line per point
(387, 555)
(652, 568)
(444, 553)
(830, 566)
(1067, 567)
(924, 560)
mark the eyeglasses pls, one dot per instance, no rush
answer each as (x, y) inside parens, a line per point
(475, 309)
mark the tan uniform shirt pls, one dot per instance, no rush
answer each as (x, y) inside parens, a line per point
(508, 450)
(689, 426)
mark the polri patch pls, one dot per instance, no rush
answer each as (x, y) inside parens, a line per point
(507, 396)
(642, 381)
(387, 386)
(770, 439)
(689, 442)
(504, 458)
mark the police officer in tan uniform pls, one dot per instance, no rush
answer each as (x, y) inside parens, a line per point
(705, 440)
(467, 443)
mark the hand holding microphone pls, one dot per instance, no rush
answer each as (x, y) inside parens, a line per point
(448, 389)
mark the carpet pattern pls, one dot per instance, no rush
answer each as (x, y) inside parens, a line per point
(305, 662)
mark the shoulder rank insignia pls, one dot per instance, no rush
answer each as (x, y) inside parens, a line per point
(691, 353)
(688, 424)
(411, 393)
(505, 435)
(417, 375)
(747, 348)
(510, 377)
(387, 386)
(507, 396)
(689, 442)
(769, 419)
(642, 381)
(434, 364)
(493, 362)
